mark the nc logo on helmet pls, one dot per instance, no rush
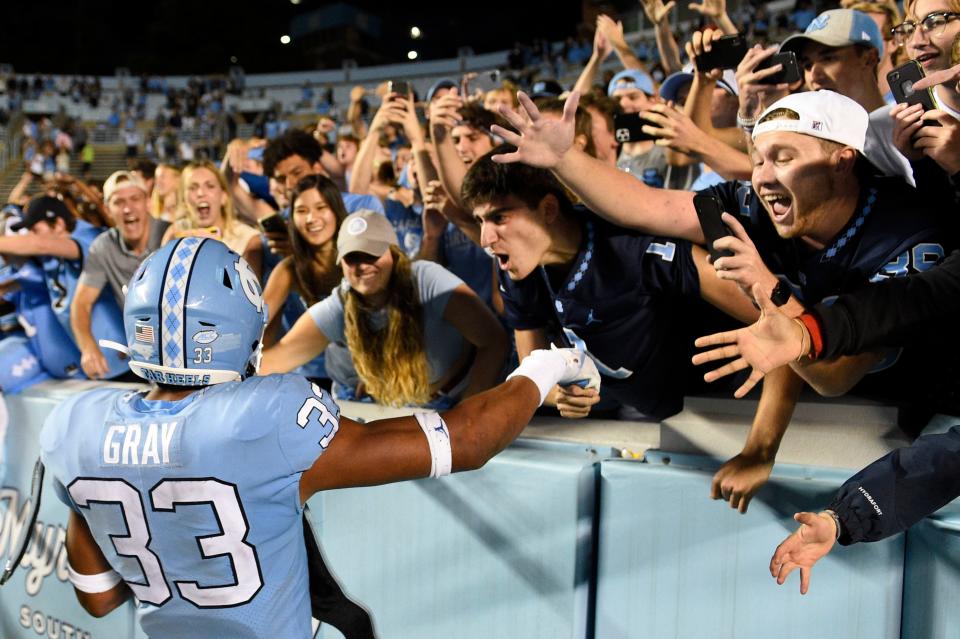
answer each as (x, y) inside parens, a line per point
(249, 283)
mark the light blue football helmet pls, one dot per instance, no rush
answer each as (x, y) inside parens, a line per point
(194, 315)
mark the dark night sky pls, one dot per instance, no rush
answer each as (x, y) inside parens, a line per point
(200, 36)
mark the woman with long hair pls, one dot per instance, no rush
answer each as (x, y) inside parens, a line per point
(206, 195)
(165, 199)
(310, 271)
(416, 333)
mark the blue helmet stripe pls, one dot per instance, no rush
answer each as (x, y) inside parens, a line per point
(160, 305)
(186, 290)
(172, 301)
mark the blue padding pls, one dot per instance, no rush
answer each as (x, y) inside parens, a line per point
(675, 564)
(931, 579)
(500, 552)
(38, 599)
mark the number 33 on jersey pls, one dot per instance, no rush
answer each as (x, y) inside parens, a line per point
(196, 502)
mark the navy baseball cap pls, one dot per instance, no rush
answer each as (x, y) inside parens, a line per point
(629, 79)
(43, 208)
(676, 81)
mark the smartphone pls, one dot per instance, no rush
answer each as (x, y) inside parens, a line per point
(790, 72)
(725, 53)
(901, 82)
(400, 87)
(709, 211)
(273, 224)
(627, 127)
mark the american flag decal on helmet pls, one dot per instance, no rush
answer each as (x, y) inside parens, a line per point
(143, 333)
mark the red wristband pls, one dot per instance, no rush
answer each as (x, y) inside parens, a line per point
(816, 336)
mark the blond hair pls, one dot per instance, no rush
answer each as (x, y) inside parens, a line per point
(156, 200)
(908, 5)
(392, 361)
(226, 211)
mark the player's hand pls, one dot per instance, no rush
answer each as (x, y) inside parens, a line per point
(805, 547)
(93, 363)
(745, 266)
(541, 142)
(772, 341)
(940, 143)
(574, 402)
(739, 479)
(906, 122)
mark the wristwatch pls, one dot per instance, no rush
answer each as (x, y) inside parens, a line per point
(781, 293)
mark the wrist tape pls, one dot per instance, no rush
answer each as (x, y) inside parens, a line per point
(93, 584)
(438, 438)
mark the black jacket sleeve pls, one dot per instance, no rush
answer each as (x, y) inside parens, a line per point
(900, 489)
(891, 312)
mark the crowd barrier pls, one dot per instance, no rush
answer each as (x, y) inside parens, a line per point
(559, 536)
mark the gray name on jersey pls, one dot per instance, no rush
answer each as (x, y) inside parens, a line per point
(137, 444)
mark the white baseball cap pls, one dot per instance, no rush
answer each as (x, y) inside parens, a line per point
(120, 180)
(822, 114)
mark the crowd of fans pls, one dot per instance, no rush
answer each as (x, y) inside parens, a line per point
(405, 243)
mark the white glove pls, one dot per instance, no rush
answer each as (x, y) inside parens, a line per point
(564, 366)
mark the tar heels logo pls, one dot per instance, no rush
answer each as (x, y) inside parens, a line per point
(820, 22)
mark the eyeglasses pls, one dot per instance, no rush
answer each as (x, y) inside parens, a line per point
(932, 24)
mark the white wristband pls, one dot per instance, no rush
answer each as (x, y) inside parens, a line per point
(93, 584)
(438, 438)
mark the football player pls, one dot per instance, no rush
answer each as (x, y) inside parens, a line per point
(189, 496)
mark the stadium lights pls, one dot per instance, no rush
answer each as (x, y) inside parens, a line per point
(415, 32)
(412, 55)
(294, 1)
(284, 39)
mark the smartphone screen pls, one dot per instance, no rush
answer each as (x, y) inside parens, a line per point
(709, 212)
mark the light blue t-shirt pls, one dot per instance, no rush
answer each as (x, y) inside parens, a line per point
(444, 343)
(196, 503)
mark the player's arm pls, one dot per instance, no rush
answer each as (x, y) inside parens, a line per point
(90, 572)
(27, 245)
(301, 344)
(607, 191)
(462, 438)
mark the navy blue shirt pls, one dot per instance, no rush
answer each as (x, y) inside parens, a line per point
(893, 232)
(626, 297)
